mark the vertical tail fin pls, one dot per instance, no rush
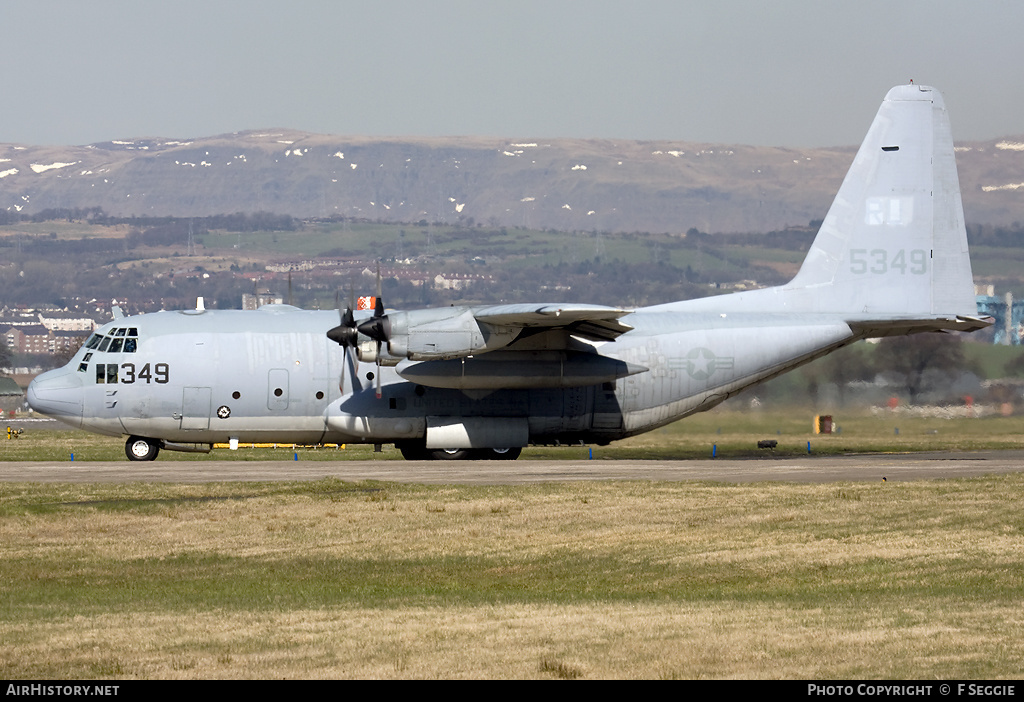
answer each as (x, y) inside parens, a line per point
(893, 243)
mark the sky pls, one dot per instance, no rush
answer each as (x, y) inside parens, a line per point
(778, 73)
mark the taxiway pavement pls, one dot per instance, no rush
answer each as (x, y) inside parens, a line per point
(807, 469)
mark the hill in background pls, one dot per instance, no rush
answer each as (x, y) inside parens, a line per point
(560, 184)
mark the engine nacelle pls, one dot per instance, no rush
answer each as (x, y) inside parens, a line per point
(367, 351)
(451, 332)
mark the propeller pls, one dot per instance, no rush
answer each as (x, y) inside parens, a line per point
(345, 335)
(377, 327)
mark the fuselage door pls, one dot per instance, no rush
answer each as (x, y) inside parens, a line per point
(277, 389)
(195, 408)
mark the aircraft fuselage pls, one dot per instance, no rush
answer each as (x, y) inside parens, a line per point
(211, 376)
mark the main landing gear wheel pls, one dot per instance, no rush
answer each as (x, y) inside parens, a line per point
(416, 451)
(138, 448)
(498, 454)
(413, 451)
(449, 454)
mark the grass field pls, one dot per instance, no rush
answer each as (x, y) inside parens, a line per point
(329, 579)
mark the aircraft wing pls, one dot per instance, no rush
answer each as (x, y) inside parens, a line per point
(593, 322)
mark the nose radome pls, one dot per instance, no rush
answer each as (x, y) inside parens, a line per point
(58, 394)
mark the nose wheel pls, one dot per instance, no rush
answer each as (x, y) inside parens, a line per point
(138, 448)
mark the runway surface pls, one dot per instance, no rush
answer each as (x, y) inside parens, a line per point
(809, 469)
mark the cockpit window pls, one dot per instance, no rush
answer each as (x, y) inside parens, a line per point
(120, 340)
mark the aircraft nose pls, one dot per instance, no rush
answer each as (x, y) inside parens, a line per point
(58, 394)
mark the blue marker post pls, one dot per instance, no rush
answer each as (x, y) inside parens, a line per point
(808, 447)
(714, 450)
(296, 456)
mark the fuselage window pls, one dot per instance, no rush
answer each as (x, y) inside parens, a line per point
(93, 341)
(104, 343)
(119, 332)
(83, 367)
(130, 344)
(106, 373)
(115, 345)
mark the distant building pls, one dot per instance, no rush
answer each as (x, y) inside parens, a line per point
(262, 297)
(11, 396)
(1008, 314)
(64, 321)
(457, 281)
(36, 339)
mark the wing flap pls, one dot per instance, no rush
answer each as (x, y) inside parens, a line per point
(594, 322)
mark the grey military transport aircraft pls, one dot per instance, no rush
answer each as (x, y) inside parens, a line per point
(482, 382)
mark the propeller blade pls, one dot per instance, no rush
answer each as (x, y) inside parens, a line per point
(378, 309)
(378, 373)
(344, 362)
(353, 365)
